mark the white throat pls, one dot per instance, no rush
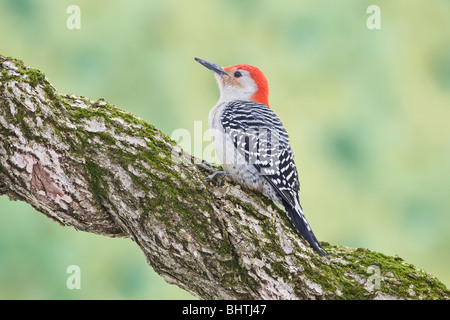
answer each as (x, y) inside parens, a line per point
(231, 90)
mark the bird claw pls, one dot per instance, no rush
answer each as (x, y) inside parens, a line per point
(215, 173)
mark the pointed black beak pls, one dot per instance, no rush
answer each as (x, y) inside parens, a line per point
(212, 66)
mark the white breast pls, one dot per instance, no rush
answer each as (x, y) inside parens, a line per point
(231, 160)
(221, 142)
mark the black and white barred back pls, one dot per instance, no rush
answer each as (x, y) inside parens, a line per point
(259, 136)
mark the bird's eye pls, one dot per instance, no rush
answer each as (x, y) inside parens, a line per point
(237, 74)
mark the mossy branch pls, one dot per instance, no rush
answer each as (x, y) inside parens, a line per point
(90, 165)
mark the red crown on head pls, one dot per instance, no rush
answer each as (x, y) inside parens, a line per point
(262, 94)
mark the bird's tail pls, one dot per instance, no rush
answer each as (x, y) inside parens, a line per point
(301, 224)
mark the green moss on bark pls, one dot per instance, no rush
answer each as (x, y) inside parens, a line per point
(34, 77)
(98, 183)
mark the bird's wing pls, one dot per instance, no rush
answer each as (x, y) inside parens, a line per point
(259, 135)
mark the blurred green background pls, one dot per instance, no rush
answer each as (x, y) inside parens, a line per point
(367, 111)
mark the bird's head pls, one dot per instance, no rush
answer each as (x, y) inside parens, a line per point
(240, 82)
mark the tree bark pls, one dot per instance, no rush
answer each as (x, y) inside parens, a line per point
(90, 165)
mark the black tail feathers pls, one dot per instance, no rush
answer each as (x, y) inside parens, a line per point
(299, 221)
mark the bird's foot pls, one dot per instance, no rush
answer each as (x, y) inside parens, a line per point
(215, 173)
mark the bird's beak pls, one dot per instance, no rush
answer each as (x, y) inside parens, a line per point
(212, 66)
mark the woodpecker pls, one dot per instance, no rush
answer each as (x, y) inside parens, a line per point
(252, 144)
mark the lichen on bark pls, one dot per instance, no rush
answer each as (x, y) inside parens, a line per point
(87, 164)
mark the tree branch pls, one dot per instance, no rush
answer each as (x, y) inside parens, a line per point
(90, 165)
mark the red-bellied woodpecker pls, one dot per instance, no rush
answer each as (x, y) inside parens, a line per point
(251, 142)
